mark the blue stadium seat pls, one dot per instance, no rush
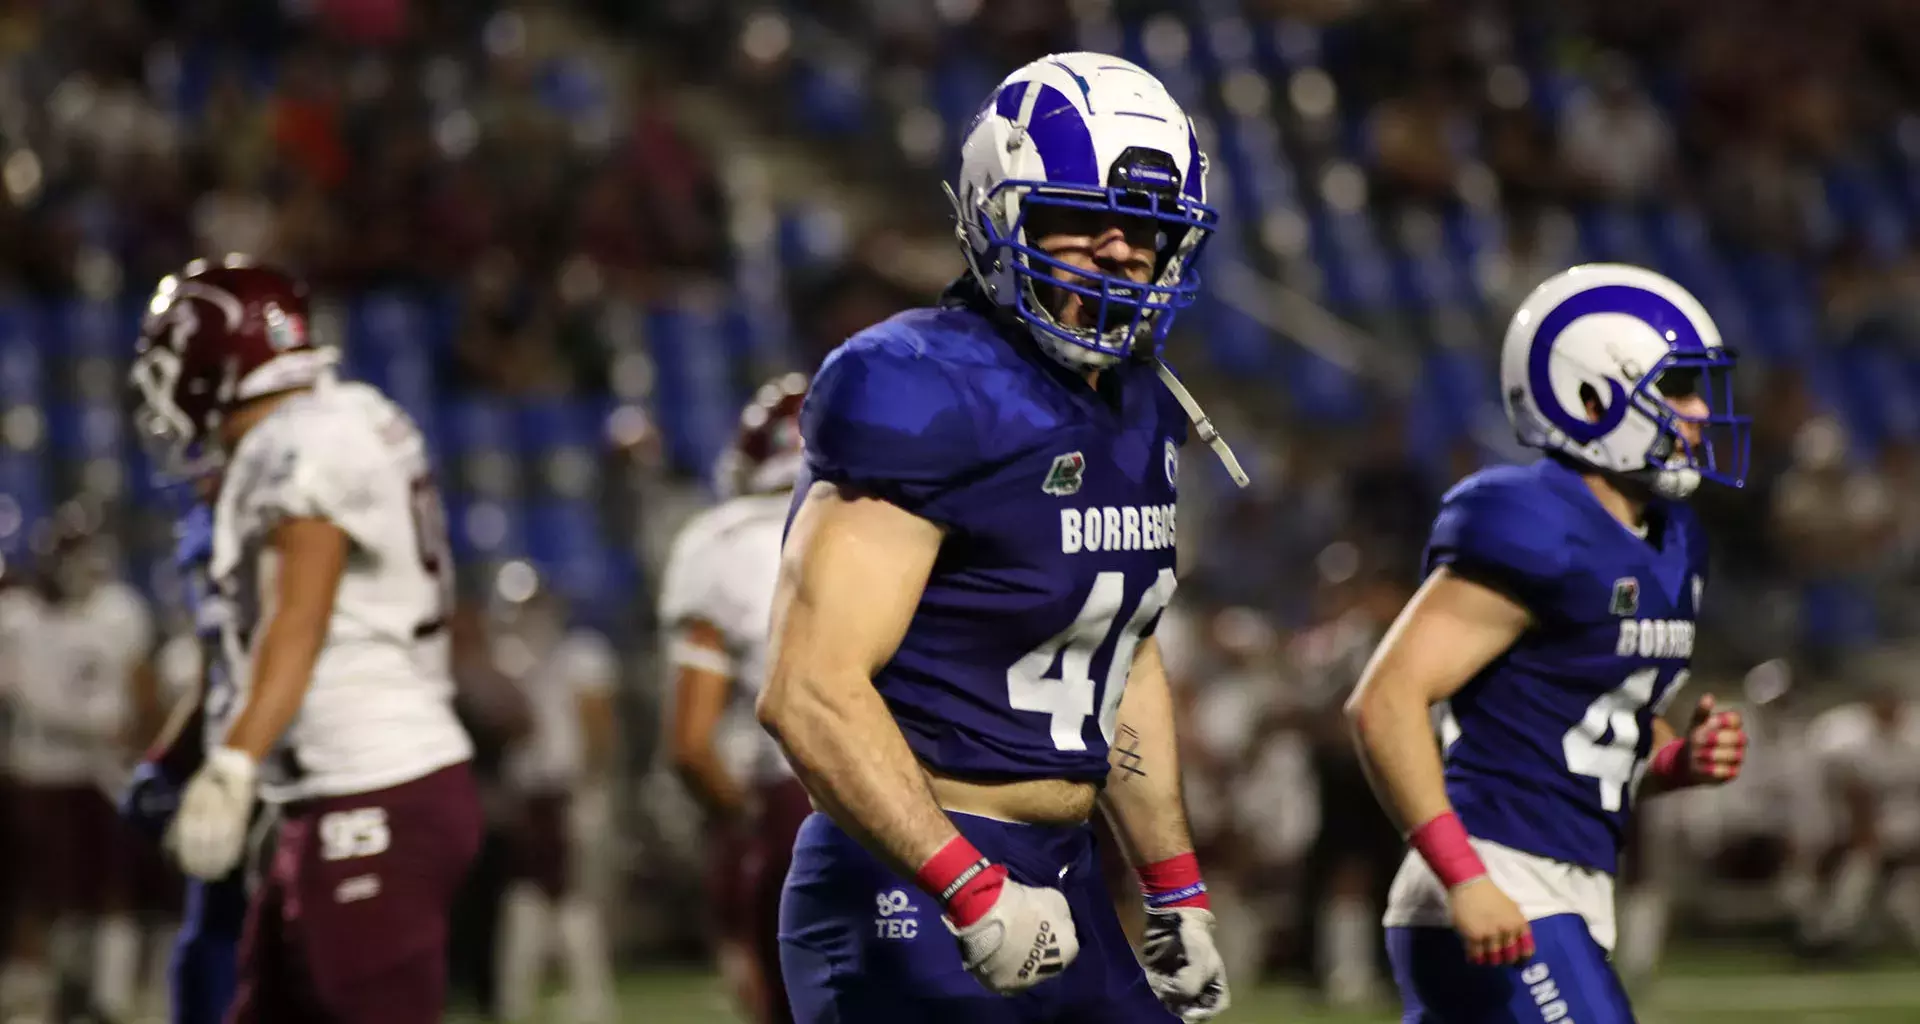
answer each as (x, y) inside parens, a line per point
(1321, 390)
(484, 527)
(85, 431)
(698, 405)
(830, 98)
(1239, 344)
(95, 329)
(482, 453)
(23, 481)
(959, 85)
(390, 322)
(22, 368)
(562, 423)
(600, 591)
(563, 532)
(475, 424)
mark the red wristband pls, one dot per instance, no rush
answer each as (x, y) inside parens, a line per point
(1669, 764)
(1174, 882)
(965, 882)
(1443, 844)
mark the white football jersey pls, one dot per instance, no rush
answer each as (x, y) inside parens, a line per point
(582, 663)
(722, 570)
(73, 703)
(379, 709)
(1852, 746)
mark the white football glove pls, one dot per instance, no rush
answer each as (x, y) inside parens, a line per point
(209, 833)
(1025, 939)
(1183, 967)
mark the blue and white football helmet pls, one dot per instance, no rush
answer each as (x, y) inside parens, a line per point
(1593, 361)
(1084, 131)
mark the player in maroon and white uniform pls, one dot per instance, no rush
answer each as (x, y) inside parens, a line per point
(715, 601)
(81, 640)
(559, 776)
(1868, 756)
(330, 550)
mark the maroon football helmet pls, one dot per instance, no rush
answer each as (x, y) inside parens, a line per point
(214, 336)
(765, 456)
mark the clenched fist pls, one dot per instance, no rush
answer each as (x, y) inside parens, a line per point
(1491, 925)
(1026, 938)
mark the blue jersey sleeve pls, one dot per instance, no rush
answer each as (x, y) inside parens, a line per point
(885, 416)
(1497, 533)
(193, 537)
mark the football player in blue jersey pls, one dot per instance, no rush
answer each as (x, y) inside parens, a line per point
(206, 954)
(1555, 625)
(981, 548)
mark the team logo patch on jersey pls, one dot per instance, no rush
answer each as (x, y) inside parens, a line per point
(1626, 596)
(1173, 464)
(1064, 477)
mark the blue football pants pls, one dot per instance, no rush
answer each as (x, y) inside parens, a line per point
(1568, 979)
(861, 945)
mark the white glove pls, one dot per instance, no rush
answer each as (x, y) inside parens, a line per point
(209, 833)
(1183, 967)
(1025, 939)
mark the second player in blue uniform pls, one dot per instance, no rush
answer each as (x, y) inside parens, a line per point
(206, 954)
(1554, 628)
(979, 555)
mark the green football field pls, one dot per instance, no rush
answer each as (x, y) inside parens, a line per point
(1720, 990)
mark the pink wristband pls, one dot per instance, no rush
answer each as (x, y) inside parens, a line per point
(965, 882)
(1443, 844)
(1669, 764)
(1174, 882)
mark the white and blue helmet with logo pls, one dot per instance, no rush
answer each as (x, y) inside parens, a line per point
(1595, 358)
(1091, 132)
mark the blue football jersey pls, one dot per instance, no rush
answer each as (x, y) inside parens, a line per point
(192, 558)
(1546, 746)
(1058, 509)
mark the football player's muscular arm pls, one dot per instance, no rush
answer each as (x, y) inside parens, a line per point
(1453, 628)
(700, 692)
(312, 554)
(1142, 795)
(851, 576)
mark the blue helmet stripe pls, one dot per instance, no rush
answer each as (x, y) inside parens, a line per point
(1656, 311)
(1066, 146)
(1007, 103)
(1194, 181)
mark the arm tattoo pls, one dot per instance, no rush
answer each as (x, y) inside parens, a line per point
(1125, 754)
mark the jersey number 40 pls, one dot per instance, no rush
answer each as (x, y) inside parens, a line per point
(1069, 698)
(1605, 743)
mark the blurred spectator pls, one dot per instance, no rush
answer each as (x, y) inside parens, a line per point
(1614, 142)
(1418, 139)
(1537, 244)
(1835, 525)
(234, 215)
(306, 120)
(1390, 497)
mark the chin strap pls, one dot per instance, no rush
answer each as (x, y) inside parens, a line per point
(1201, 424)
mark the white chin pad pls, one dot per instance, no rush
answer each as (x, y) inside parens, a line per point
(1676, 482)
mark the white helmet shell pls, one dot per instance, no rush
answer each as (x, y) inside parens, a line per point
(1602, 335)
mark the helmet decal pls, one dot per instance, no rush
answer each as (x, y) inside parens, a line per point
(1061, 136)
(1657, 312)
